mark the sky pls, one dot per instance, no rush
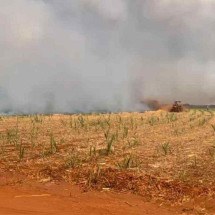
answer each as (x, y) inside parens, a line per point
(105, 55)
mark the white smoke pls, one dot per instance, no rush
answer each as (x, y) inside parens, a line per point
(92, 55)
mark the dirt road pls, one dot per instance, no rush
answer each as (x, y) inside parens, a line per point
(63, 199)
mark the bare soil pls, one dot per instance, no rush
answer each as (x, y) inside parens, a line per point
(66, 200)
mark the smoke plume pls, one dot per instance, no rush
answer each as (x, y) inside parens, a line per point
(105, 55)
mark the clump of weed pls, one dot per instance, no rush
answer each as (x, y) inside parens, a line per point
(125, 132)
(53, 144)
(37, 119)
(73, 160)
(202, 122)
(133, 143)
(183, 176)
(165, 147)
(94, 175)
(153, 120)
(21, 152)
(109, 140)
(81, 121)
(211, 151)
(12, 136)
(213, 127)
(129, 161)
(194, 162)
(92, 152)
(172, 117)
(109, 143)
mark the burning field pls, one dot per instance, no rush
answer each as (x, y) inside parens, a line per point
(121, 58)
(167, 158)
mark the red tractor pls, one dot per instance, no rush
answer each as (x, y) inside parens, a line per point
(177, 107)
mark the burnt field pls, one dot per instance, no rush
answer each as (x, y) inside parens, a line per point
(164, 157)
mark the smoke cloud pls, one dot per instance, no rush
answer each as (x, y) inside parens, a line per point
(109, 55)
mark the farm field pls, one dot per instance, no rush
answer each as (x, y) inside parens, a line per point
(165, 159)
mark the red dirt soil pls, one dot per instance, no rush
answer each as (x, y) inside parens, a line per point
(66, 199)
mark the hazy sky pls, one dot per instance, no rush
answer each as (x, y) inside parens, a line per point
(89, 55)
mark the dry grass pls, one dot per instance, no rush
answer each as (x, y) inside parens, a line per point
(161, 155)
